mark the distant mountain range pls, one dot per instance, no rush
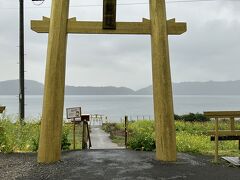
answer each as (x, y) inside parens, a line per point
(201, 88)
(11, 87)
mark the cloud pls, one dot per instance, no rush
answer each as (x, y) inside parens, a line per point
(209, 50)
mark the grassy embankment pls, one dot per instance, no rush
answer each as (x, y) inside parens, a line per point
(17, 138)
(191, 136)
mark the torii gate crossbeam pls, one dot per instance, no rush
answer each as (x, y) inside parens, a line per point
(58, 26)
(86, 27)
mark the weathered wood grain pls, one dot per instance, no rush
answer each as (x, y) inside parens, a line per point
(162, 86)
(88, 27)
(52, 115)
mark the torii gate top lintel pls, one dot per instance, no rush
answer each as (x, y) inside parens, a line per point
(95, 27)
(109, 24)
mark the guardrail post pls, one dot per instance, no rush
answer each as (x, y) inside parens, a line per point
(126, 131)
(84, 135)
(216, 140)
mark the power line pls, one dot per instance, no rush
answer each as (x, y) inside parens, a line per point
(126, 4)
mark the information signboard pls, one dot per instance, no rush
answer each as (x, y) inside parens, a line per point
(73, 112)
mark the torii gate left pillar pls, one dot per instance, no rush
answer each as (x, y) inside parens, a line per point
(53, 101)
(59, 26)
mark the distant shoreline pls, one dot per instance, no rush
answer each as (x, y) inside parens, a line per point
(117, 106)
(210, 88)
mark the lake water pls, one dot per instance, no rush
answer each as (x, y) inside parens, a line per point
(116, 107)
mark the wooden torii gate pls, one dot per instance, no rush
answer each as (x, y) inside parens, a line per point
(58, 26)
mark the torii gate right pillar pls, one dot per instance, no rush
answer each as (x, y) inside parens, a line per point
(162, 86)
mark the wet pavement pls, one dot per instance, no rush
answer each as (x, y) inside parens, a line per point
(105, 163)
(101, 140)
(115, 164)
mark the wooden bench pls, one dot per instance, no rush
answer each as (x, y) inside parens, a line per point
(222, 135)
(2, 108)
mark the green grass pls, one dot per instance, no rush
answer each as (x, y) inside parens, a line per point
(15, 137)
(120, 140)
(114, 127)
(190, 137)
(78, 136)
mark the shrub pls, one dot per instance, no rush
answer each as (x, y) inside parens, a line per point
(142, 135)
(2, 138)
(190, 136)
(193, 117)
(197, 128)
(177, 117)
(109, 127)
(14, 137)
(65, 141)
(187, 142)
(65, 144)
(34, 144)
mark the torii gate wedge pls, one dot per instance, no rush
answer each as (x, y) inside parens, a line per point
(58, 26)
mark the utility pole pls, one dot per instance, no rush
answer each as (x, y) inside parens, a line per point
(21, 61)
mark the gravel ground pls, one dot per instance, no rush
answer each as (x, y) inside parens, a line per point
(114, 164)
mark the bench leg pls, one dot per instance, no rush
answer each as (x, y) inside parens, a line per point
(239, 144)
(216, 149)
(216, 141)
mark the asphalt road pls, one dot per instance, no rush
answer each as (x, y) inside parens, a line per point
(117, 164)
(114, 164)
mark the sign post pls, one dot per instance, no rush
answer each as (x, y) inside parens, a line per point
(126, 131)
(73, 114)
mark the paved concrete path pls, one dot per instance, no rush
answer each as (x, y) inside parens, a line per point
(101, 140)
(114, 165)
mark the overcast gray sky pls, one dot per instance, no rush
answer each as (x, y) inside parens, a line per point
(209, 50)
